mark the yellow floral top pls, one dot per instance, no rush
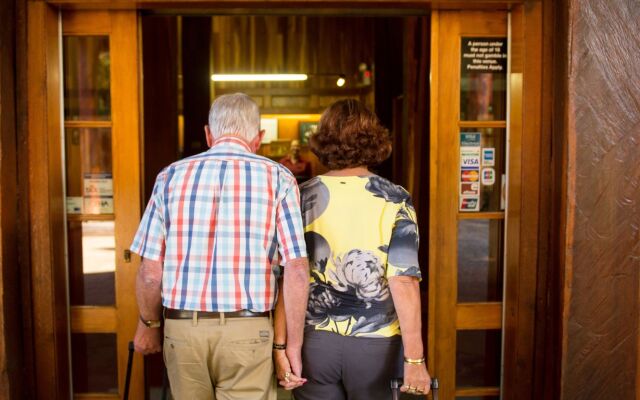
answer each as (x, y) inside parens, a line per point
(359, 232)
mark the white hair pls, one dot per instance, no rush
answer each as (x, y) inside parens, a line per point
(234, 114)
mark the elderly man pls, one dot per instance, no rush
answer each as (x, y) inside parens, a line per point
(214, 233)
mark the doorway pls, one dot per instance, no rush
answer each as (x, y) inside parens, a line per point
(341, 57)
(438, 126)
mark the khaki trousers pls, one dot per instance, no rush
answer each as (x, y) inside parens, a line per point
(220, 359)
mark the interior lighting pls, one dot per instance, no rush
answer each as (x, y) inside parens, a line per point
(341, 81)
(258, 77)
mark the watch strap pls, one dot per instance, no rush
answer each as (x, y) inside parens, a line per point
(150, 323)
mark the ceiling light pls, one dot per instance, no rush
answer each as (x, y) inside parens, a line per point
(341, 81)
(258, 77)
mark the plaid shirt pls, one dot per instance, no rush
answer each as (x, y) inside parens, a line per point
(217, 221)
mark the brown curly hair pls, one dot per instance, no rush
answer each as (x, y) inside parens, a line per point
(350, 135)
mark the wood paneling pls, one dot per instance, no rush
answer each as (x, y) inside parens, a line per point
(601, 310)
(125, 87)
(95, 396)
(443, 200)
(524, 219)
(320, 47)
(481, 215)
(434, 109)
(24, 228)
(46, 207)
(548, 333)
(87, 124)
(295, 6)
(479, 316)
(87, 319)
(483, 124)
(323, 48)
(478, 392)
(79, 24)
(11, 355)
(299, 100)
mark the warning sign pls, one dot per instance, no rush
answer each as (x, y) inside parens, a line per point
(484, 54)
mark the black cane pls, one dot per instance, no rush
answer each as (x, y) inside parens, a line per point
(127, 380)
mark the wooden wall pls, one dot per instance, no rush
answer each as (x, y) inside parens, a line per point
(10, 321)
(600, 250)
(293, 44)
(548, 335)
(46, 204)
(323, 48)
(16, 338)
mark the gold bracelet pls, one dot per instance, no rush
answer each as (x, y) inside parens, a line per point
(414, 361)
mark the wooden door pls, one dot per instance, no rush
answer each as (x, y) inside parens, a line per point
(102, 184)
(469, 173)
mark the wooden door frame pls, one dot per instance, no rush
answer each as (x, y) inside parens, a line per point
(451, 315)
(53, 319)
(530, 120)
(523, 235)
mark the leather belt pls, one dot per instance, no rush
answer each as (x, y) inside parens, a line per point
(170, 313)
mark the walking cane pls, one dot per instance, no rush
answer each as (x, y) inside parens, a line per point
(127, 380)
(397, 383)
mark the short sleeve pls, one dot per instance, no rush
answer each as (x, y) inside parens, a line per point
(403, 247)
(290, 232)
(149, 241)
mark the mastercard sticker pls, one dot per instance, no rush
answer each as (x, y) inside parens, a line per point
(470, 176)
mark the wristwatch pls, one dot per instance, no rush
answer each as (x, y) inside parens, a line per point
(149, 323)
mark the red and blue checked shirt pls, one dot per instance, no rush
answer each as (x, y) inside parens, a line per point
(221, 222)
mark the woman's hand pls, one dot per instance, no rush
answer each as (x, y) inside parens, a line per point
(283, 371)
(416, 379)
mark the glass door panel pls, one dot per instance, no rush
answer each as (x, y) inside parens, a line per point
(92, 262)
(87, 78)
(478, 358)
(94, 363)
(480, 261)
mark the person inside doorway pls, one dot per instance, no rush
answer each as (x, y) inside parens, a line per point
(214, 232)
(363, 313)
(300, 168)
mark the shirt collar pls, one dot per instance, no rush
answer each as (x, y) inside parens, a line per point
(231, 141)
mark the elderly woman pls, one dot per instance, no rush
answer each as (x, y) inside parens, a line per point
(364, 300)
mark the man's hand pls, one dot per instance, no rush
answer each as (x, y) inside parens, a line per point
(147, 340)
(286, 378)
(416, 379)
